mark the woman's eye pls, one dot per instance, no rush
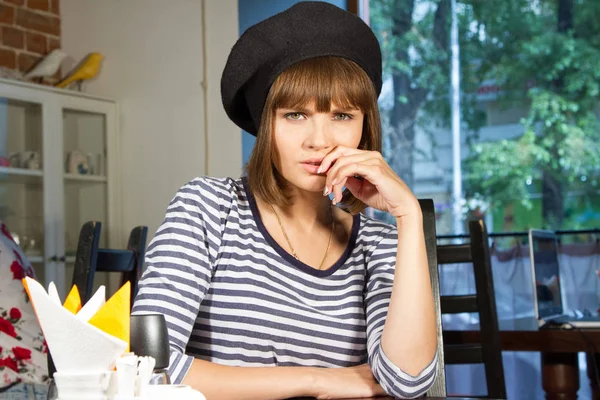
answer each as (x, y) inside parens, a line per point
(342, 117)
(294, 116)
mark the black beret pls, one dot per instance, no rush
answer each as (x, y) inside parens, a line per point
(306, 30)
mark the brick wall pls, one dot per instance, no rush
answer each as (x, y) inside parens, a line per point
(29, 29)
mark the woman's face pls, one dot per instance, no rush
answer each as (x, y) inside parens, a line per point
(303, 136)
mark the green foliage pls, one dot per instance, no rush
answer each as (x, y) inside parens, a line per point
(413, 37)
(407, 43)
(552, 72)
(502, 171)
(561, 133)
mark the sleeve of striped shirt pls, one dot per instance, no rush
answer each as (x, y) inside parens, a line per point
(179, 263)
(380, 270)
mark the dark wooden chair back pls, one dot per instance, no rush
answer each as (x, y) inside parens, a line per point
(427, 208)
(488, 352)
(91, 259)
(86, 259)
(129, 262)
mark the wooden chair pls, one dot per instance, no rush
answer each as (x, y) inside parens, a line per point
(488, 352)
(91, 259)
(439, 386)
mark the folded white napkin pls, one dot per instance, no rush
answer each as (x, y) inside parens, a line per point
(88, 339)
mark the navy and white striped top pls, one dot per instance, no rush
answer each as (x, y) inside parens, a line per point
(233, 296)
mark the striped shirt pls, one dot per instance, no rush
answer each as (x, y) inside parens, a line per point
(232, 295)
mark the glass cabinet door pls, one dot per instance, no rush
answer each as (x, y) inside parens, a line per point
(22, 177)
(85, 181)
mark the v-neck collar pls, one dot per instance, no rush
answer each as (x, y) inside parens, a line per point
(287, 256)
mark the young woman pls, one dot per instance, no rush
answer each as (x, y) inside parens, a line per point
(275, 285)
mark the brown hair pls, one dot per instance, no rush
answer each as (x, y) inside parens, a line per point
(324, 80)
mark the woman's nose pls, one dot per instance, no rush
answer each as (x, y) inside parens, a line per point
(318, 136)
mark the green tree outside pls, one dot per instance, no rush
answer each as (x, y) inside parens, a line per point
(545, 55)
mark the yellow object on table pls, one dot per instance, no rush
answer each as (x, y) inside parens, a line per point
(73, 301)
(114, 316)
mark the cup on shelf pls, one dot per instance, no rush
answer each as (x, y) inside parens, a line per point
(95, 163)
(30, 246)
(31, 160)
(15, 159)
(24, 159)
(78, 163)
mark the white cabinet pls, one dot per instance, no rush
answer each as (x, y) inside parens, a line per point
(58, 169)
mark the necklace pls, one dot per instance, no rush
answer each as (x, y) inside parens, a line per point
(292, 247)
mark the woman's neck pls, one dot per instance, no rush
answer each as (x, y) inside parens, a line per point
(306, 210)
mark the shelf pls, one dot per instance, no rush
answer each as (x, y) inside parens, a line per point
(35, 259)
(21, 175)
(51, 203)
(40, 259)
(86, 178)
(53, 90)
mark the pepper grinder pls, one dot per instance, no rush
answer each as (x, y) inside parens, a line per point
(149, 337)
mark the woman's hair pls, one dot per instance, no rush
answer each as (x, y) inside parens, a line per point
(324, 80)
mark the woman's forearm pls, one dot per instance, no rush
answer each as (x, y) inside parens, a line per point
(409, 335)
(223, 382)
(272, 383)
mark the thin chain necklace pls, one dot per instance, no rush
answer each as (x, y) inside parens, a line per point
(292, 247)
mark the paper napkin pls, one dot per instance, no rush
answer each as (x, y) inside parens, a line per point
(114, 316)
(76, 344)
(73, 301)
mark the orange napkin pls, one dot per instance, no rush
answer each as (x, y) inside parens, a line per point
(113, 316)
(73, 301)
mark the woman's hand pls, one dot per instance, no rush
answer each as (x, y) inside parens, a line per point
(369, 178)
(346, 383)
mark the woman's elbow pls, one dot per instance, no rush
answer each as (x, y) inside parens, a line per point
(402, 384)
(407, 389)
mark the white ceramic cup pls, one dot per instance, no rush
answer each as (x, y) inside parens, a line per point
(85, 385)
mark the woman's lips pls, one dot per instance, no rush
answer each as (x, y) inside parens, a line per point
(311, 167)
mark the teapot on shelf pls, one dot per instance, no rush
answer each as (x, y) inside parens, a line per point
(25, 159)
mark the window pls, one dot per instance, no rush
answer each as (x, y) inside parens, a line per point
(529, 105)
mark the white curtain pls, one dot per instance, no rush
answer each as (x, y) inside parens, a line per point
(511, 270)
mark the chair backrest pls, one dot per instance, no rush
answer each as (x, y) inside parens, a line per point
(488, 351)
(427, 208)
(91, 259)
(86, 259)
(129, 262)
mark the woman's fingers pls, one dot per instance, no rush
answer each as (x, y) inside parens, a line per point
(358, 158)
(366, 170)
(336, 153)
